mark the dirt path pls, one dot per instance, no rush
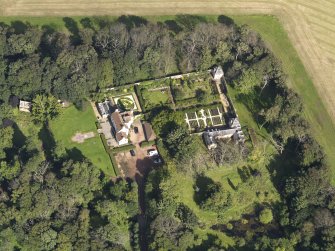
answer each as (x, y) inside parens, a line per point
(142, 220)
(223, 97)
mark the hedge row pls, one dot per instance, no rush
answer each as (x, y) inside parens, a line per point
(194, 101)
(147, 143)
(111, 155)
(123, 149)
(115, 165)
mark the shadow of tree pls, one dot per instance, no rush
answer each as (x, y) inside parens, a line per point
(204, 187)
(75, 154)
(72, 27)
(173, 26)
(19, 26)
(132, 21)
(283, 165)
(48, 141)
(226, 20)
(19, 139)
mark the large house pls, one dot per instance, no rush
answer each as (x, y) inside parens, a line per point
(234, 132)
(121, 123)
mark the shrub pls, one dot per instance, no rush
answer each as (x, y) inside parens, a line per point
(186, 215)
(265, 216)
(147, 143)
(123, 148)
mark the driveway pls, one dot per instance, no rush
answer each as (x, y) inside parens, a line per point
(140, 164)
(137, 138)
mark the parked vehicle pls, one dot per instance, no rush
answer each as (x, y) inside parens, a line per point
(157, 160)
(132, 152)
(152, 152)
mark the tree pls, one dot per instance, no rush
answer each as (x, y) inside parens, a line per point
(45, 108)
(216, 199)
(228, 153)
(187, 216)
(265, 216)
(247, 82)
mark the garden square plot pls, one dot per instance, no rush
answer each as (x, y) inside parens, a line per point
(202, 123)
(187, 88)
(194, 124)
(191, 115)
(214, 111)
(153, 98)
(217, 121)
(125, 102)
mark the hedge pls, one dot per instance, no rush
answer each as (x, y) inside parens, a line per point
(147, 143)
(194, 101)
(115, 165)
(123, 148)
(111, 156)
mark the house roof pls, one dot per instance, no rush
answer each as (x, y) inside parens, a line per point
(148, 132)
(25, 106)
(104, 108)
(127, 116)
(234, 123)
(217, 72)
(118, 124)
(120, 135)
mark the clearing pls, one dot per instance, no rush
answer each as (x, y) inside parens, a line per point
(71, 121)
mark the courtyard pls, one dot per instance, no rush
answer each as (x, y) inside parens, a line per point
(140, 164)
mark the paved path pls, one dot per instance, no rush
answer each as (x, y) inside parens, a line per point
(223, 97)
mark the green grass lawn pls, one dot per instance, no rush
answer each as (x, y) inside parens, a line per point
(71, 121)
(276, 38)
(155, 98)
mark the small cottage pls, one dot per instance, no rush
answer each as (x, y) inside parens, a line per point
(25, 106)
(217, 73)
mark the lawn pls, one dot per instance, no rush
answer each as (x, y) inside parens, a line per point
(315, 112)
(71, 121)
(187, 88)
(153, 99)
